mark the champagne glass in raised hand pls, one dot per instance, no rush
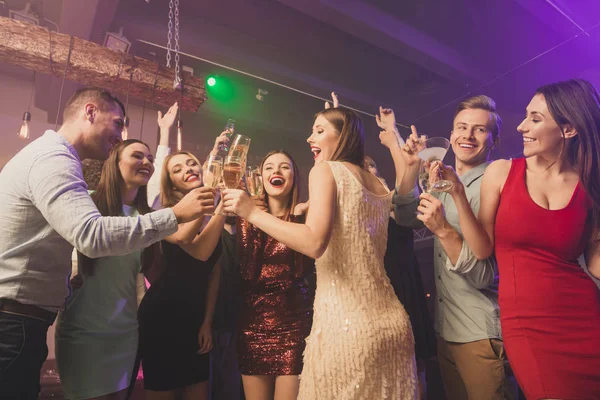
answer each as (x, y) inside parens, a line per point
(232, 171)
(229, 127)
(254, 180)
(435, 150)
(212, 171)
(239, 148)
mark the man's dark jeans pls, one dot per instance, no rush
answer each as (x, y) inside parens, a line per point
(23, 350)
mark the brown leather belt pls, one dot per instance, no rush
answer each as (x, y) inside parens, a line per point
(11, 306)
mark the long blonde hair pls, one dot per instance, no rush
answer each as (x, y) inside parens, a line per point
(168, 196)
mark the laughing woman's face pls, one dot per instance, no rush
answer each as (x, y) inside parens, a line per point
(278, 175)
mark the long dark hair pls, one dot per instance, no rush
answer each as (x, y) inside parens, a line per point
(295, 195)
(351, 146)
(108, 197)
(577, 102)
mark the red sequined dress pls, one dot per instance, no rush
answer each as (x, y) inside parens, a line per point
(277, 308)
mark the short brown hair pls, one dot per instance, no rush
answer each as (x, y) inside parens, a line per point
(351, 146)
(103, 99)
(486, 103)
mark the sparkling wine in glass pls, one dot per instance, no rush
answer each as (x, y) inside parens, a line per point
(239, 148)
(229, 126)
(213, 171)
(254, 180)
(435, 150)
(232, 172)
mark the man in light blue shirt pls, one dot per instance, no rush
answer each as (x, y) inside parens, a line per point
(45, 210)
(470, 348)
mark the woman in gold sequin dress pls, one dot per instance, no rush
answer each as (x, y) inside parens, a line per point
(361, 344)
(276, 314)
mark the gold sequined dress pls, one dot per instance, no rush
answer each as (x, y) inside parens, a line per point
(361, 344)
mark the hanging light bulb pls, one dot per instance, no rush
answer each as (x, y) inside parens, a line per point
(125, 132)
(179, 123)
(179, 134)
(24, 131)
(62, 84)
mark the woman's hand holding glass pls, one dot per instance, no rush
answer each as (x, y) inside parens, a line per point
(222, 141)
(212, 173)
(254, 180)
(255, 186)
(238, 202)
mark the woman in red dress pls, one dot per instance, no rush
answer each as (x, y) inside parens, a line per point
(278, 292)
(539, 214)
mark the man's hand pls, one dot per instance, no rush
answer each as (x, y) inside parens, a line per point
(432, 214)
(446, 172)
(414, 144)
(195, 204)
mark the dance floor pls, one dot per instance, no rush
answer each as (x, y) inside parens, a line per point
(51, 384)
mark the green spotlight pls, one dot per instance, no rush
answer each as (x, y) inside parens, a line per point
(220, 88)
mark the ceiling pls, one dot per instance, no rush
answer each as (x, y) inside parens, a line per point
(420, 57)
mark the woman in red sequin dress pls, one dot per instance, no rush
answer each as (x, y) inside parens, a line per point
(361, 344)
(540, 213)
(278, 292)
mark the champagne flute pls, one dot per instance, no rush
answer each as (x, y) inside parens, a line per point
(212, 172)
(254, 180)
(239, 148)
(229, 126)
(435, 150)
(232, 172)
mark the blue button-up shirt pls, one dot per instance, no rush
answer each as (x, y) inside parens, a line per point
(45, 210)
(466, 307)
